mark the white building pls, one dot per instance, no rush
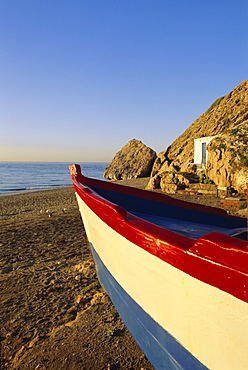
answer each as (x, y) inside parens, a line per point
(200, 149)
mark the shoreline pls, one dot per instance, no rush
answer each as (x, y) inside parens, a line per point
(55, 199)
(35, 191)
(33, 203)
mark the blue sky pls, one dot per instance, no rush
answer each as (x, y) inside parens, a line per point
(80, 78)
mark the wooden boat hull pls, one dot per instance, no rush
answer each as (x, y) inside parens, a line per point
(185, 310)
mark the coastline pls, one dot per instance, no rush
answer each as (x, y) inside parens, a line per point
(7, 194)
(54, 312)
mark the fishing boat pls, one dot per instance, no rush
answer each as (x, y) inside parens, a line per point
(177, 273)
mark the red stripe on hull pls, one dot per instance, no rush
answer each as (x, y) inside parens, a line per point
(217, 268)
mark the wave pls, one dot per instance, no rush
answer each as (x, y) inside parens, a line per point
(31, 188)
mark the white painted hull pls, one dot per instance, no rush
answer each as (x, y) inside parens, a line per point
(211, 325)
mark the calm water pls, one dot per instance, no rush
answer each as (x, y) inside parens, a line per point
(29, 176)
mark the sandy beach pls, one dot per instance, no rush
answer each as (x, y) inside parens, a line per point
(54, 313)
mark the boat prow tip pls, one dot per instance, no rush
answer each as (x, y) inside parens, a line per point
(75, 170)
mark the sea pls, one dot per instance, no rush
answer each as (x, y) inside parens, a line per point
(19, 177)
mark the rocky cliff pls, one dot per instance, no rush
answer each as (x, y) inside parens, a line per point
(228, 158)
(225, 114)
(134, 160)
(227, 120)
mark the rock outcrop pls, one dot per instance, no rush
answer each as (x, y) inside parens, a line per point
(227, 119)
(228, 158)
(134, 160)
(225, 123)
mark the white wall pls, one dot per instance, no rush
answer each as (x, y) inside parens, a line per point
(198, 149)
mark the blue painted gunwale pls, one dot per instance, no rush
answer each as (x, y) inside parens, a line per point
(161, 348)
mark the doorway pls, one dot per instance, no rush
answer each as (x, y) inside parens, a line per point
(204, 152)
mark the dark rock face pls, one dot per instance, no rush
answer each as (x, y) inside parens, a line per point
(134, 160)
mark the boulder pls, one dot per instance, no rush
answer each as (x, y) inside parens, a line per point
(228, 159)
(154, 183)
(169, 178)
(179, 178)
(239, 180)
(161, 164)
(171, 182)
(169, 188)
(134, 160)
(218, 169)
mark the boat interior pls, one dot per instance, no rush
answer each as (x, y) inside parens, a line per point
(193, 221)
(194, 230)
